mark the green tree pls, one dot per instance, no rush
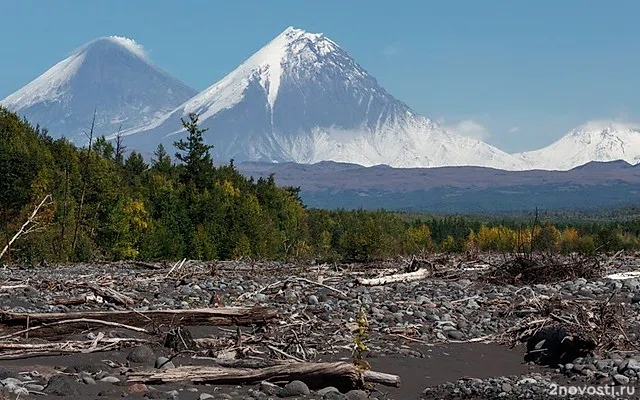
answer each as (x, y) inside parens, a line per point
(162, 161)
(198, 165)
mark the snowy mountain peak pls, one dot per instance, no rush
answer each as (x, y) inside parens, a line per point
(604, 128)
(292, 49)
(593, 141)
(111, 74)
(302, 98)
(115, 42)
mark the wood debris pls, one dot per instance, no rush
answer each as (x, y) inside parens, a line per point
(344, 376)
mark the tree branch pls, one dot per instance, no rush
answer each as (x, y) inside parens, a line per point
(27, 227)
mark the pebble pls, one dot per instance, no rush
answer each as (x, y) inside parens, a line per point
(294, 388)
(110, 379)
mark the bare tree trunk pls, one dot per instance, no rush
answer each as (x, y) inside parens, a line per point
(26, 227)
(64, 213)
(120, 148)
(85, 178)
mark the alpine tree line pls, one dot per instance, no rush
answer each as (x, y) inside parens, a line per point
(111, 204)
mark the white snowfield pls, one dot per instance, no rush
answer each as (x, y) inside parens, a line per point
(300, 98)
(593, 141)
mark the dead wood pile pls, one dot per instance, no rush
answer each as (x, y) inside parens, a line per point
(560, 330)
(532, 269)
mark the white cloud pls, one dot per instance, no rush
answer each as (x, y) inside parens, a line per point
(514, 129)
(130, 44)
(467, 127)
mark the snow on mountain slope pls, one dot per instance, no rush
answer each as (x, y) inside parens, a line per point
(302, 98)
(593, 141)
(111, 74)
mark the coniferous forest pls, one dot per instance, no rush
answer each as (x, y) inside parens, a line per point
(103, 202)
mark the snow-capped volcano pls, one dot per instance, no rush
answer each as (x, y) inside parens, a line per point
(593, 141)
(112, 75)
(302, 98)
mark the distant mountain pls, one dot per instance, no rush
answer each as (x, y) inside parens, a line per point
(303, 99)
(300, 99)
(110, 74)
(594, 141)
(593, 186)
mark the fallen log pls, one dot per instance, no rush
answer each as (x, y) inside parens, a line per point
(404, 277)
(342, 375)
(75, 321)
(248, 363)
(222, 316)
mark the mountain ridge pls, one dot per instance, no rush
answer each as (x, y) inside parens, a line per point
(595, 185)
(300, 98)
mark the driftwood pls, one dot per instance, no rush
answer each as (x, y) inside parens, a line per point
(342, 375)
(542, 269)
(404, 277)
(110, 294)
(77, 300)
(204, 316)
(84, 321)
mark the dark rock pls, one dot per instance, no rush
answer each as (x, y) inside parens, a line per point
(455, 334)
(7, 373)
(155, 395)
(326, 390)
(62, 385)
(294, 388)
(356, 395)
(333, 396)
(141, 355)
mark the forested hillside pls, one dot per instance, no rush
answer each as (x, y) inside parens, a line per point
(103, 202)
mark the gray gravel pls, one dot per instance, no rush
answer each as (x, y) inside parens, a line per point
(400, 315)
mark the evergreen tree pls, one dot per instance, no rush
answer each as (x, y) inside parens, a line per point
(195, 153)
(161, 162)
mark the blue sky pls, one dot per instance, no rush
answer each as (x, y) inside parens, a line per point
(519, 74)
